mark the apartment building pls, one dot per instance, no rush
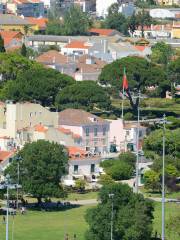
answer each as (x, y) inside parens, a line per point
(92, 130)
(26, 8)
(17, 116)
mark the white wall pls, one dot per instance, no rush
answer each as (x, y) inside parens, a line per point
(102, 7)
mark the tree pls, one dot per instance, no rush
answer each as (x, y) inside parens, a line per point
(42, 165)
(37, 83)
(143, 19)
(120, 170)
(23, 50)
(174, 71)
(153, 142)
(129, 158)
(11, 65)
(140, 74)
(86, 95)
(105, 179)
(132, 23)
(132, 218)
(161, 53)
(76, 22)
(55, 27)
(152, 180)
(2, 48)
(116, 20)
(80, 185)
(173, 225)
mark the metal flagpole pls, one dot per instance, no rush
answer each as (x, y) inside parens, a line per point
(122, 106)
(137, 148)
(163, 181)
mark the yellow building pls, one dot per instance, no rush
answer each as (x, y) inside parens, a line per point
(175, 33)
(11, 22)
(168, 2)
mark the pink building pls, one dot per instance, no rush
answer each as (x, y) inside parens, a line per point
(92, 130)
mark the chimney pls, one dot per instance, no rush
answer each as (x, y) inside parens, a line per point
(105, 46)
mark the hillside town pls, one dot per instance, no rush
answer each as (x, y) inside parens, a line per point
(89, 119)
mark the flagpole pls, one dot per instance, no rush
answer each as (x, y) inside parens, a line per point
(122, 105)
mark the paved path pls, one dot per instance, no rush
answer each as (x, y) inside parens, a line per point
(85, 202)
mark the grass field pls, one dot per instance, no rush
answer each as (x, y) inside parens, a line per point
(173, 195)
(171, 209)
(47, 225)
(37, 225)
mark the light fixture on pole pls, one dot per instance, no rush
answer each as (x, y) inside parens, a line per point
(139, 96)
(163, 179)
(111, 196)
(7, 207)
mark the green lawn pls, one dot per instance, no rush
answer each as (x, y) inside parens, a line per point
(174, 195)
(47, 225)
(70, 197)
(171, 209)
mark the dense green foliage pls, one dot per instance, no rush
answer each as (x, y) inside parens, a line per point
(23, 50)
(116, 20)
(86, 95)
(132, 215)
(161, 53)
(11, 65)
(42, 164)
(140, 74)
(174, 71)
(2, 48)
(121, 168)
(36, 83)
(75, 22)
(152, 180)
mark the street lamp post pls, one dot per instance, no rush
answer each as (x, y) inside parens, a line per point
(111, 195)
(163, 181)
(137, 148)
(17, 204)
(7, 208)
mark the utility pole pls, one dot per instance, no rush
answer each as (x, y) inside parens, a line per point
(7, 208)
(17, 204)
(111, 195)
(163, 180)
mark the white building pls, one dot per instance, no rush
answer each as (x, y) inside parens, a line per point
(125, 7)
(161, 13)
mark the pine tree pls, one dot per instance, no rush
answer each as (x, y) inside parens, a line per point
(23, 50)
(2, 48)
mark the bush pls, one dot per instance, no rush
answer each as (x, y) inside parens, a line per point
(120, 171)
(128, 116)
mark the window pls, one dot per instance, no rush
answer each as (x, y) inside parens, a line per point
(92, 168)
(140, 133)
(76, 168)
(87, 142)
(104, 131)
(104, 141)
(95, 132)
(30, 114)
(87, 132)
(127, 133)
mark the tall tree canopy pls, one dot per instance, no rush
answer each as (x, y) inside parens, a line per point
(76, 22)
(2, 48)
(42, 164)
(12, 64)
(140, 74)
(115, 19)
(161, 53)
(86, 95)
(37, 83)
(132, 215)
(174, 71)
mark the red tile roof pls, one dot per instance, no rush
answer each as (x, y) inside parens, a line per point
(64, 130)
(75, 151)
(40, 128)
(41, 22)
(8, 36)
(140, 48)
(102, 32)
(77, 44)
(52, 57)
(5, 155)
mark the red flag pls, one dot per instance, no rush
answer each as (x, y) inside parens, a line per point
(125, 81)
